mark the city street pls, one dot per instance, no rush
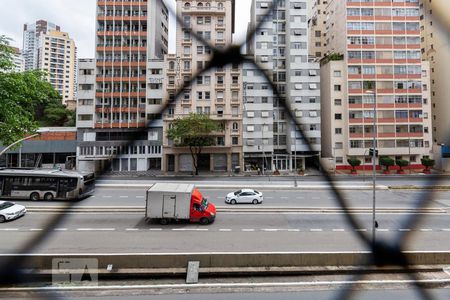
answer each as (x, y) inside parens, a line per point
(288, 220)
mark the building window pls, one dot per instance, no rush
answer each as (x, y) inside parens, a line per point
(337, 87)
(338, 102)
(338, 130)
(235, 140)
(338, 116)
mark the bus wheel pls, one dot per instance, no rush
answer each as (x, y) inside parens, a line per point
(34, 197)
(48, 197)
(204, 221)
(163, 222)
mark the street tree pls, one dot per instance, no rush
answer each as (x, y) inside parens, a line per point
(27, 100)
(387, 162)
(194, 132)
(401, 163)
(428, 163)
(353, 162)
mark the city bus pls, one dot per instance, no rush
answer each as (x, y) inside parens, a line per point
(45, 184)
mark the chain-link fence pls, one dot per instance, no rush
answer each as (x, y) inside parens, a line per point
(384, 252)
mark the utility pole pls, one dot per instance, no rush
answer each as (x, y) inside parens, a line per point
(374, 176)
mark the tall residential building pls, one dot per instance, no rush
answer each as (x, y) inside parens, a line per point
(216, 93)
(31, 40)
(57, 57)
(379, 75)
(280, 46)
(129, 35)
(316, 25)
(436, 50)
(18, 61)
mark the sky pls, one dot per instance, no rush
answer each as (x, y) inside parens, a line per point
(77, 17)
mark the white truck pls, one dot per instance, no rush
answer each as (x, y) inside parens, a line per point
(176, 201)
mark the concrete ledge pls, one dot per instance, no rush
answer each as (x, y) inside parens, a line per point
(226, 260)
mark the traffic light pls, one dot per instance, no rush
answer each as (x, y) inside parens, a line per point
(371, 152)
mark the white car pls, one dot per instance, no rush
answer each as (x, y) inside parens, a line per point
(244, 196)
(11, 211)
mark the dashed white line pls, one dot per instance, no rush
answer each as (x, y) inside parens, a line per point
(248, 230)
(383, 230)
(224, 229)
(404, 229)
(270, 229)
(293, 230)
(60, 229)
(155, 229)
(9, 229)
(361, 229)
(338, 230)
(426, 229)
(132, 229)
(445, 229)
(35, 229)
(96, 229)
(316, 230)
(123, 196)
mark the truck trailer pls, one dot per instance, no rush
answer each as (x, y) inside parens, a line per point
(168, 202)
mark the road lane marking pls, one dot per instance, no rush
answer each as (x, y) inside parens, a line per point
(190, 229)
(132, 229)
(293, 230)
(155, 229)
(426, 229)
(404, 229)
(9, 229)
(248, 230)
(271, 229)
(316, 229)
(224, 229)
(445, 229)
(361, 229)
(60, 229)
(35, 229)
(383, 230)
(338, 230)
(96, 229)
(123, 196)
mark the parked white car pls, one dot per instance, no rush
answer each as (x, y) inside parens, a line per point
(244, 196)
(11, 211)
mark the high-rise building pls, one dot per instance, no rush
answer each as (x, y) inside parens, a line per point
(374, 73)
(18, 61)
(280, 46)
(129, 34)
(436, 50)
(57, 58)
(31, 41)
(216, 93)
(316, 25)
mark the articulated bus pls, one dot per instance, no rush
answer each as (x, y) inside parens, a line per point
(45, 184)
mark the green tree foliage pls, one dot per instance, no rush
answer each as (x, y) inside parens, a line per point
(387, 162)
(427, 162)
(193, 131)
(402, 163)
(27, 100)
(354, 162)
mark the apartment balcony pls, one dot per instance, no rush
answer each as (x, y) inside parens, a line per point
(143, 4)
(102, 64)
(100, 78)
(125, 93)
(131, 124)
(122, 33)
(203, 9)
(121, 48)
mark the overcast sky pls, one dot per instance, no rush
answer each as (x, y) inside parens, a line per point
(77, 17)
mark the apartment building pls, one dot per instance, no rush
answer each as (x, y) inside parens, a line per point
(17, 57)
(56, 56)
(280, 46)
(436, 50)
(31, 40)
(129, 35)
(316, 26)
(216, 93)
(374, 73)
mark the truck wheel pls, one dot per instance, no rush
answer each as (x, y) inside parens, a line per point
(255, 201)
(163, 222)
(204, 221)
(48, 197)
(233, 201)
(34, 197)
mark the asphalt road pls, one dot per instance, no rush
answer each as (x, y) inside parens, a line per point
(281, 198)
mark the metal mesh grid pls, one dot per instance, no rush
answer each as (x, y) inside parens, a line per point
(384, 252)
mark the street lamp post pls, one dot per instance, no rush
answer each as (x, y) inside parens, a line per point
(374, 174)
(21, 140)
(295, 150)
(263, 154)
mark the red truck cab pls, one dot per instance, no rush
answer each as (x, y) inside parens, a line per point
(201, 210)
